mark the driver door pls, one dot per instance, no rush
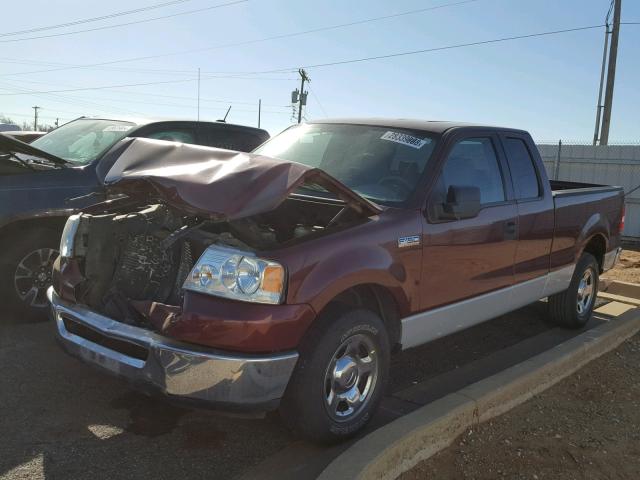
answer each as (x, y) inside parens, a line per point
(468, 257)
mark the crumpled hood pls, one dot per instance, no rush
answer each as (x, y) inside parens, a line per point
(221, 184)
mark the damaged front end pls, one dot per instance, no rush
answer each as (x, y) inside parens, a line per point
(175, 282)
(135, 263)
(172, 234)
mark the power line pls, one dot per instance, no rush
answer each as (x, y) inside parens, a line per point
(67, 66)
(344, 62)
(103, 87)
(131, 70)
(138, 93)
(448, 47)
(356, 60)
(117, 25)
(250, 42)
(315, 97)
(94, 19)
(61, 99)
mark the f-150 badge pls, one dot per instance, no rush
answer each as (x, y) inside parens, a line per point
(410, 241)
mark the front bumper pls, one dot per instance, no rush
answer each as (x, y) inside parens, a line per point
(179, 370)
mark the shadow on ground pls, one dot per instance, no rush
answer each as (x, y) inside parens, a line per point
(62, 419)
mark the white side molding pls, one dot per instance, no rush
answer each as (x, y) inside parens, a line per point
(439, 322)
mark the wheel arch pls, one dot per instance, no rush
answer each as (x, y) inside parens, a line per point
(374, 297)
(26, 225)
(596, 245)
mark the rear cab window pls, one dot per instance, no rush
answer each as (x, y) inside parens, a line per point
(231, 138)
(524, 174)
(174, 135)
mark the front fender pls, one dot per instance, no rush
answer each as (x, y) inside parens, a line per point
(348, 268)
(366, 254)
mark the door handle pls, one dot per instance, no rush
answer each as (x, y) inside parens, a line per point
(510, 229)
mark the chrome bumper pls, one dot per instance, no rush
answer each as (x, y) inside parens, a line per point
(610, 259)
(178, 370)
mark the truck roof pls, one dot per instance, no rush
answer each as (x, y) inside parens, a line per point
(434, 126)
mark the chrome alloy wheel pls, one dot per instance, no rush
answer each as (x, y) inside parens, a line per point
(350, 378)
(586, 291)
(33, 276)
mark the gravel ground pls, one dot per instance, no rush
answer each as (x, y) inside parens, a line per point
(627, 269)
(585, 427)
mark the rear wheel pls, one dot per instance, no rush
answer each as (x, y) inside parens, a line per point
(573, 307)
(340, 377)
(25, 272)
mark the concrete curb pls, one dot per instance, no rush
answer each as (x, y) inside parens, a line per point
(400, 445)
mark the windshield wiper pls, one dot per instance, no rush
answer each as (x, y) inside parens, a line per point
(21, 161)
(13, 146)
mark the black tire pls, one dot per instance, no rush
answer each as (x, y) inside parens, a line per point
(304, 408)
(564, 308)
(26, 258)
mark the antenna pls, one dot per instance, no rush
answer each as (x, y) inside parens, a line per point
(225, 115)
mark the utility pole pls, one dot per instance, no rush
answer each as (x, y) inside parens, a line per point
(35, 117)
(259, 110)
(607, 32)
(611, 74)
(302, 100)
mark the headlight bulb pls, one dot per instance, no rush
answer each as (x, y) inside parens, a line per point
(229, 273)
(248, 276)
(204, 274)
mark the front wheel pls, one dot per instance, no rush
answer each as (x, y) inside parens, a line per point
(340, 377)
(573, 307)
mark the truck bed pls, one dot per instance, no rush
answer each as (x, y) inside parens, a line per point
(564, 188)
(583, 204)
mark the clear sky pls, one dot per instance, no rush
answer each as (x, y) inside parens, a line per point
(547, 85)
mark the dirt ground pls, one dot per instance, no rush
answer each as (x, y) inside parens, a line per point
(627, 269)
(585, 427)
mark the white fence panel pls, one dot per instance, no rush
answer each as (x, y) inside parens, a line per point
(606, 165)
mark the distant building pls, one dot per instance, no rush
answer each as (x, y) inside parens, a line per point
(9, 127)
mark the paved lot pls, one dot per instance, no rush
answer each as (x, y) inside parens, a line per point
(61, 419)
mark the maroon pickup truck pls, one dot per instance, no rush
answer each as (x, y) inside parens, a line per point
(287, 277)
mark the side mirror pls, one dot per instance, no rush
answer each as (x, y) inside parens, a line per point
(462, 202)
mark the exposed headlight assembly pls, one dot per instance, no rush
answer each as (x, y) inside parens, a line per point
(228, 273)
(68, 236)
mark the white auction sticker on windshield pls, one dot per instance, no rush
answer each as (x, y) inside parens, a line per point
(404, 139)
(118, 128)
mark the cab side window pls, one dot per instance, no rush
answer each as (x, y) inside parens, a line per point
(473, 163)
(523, 170)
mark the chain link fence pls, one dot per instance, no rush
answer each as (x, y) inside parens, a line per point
(616, 164)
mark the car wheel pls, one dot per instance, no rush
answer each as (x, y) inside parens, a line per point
(573, 307)
(25, 272)
(340, 376)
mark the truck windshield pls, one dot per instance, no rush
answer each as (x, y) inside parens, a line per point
(84, 140)
(382, 164)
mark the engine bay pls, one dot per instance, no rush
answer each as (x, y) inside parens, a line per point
(135, 253)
